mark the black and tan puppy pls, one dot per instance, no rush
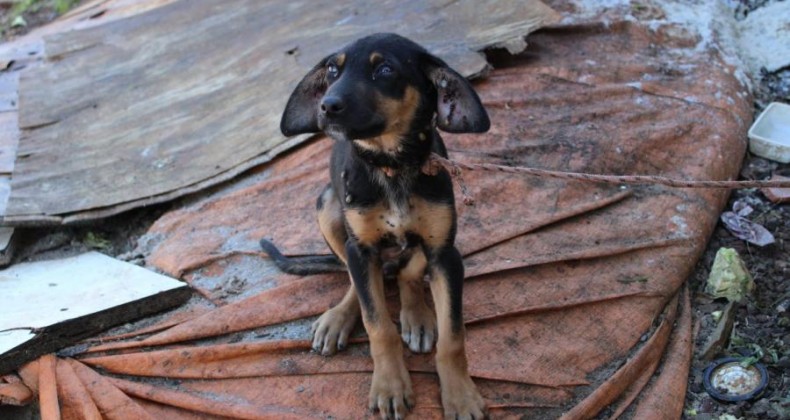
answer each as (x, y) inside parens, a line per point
(382, 99)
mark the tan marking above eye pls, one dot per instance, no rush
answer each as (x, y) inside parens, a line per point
(340, 59)
(376, 58)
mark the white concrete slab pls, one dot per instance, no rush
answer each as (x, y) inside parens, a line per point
(765, 38)
(35, 295)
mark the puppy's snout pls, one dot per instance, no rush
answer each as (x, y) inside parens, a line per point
(333, 105)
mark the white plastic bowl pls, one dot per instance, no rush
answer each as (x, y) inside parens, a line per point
(770, 133)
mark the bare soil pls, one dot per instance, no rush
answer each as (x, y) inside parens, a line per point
(762, 323)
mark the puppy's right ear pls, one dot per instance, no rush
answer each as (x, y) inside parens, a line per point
(301, 112)
(458, 109)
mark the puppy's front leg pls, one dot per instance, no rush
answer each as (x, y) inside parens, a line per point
(390, 391)
(460, 398)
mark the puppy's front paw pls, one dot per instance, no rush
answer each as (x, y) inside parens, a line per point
(331, 330)
(390, 392)
(461, 400)
(418, 328)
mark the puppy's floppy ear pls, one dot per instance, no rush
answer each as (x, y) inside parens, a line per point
(458, 108)
(301, 112)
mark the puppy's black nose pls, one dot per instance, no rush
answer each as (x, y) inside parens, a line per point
(333, 105)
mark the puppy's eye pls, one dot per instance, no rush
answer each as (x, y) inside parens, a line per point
(383, 71)
(332, 70)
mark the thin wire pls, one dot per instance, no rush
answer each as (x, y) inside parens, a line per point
(454, 167)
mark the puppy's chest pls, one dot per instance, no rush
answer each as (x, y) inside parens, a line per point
(405, 221)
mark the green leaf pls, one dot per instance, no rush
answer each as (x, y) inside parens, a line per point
(96, 241)
(18, 21)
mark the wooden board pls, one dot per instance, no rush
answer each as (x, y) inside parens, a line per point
(49, 305)
(168, 102)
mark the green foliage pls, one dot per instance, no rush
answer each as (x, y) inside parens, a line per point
(16, 16)
(97, 241)
(26, 6)
(63, 6)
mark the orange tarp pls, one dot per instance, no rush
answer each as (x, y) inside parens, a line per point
(574, 299)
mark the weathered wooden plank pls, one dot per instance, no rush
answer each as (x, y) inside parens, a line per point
(5, 190)
(146, 108)
(9, 140)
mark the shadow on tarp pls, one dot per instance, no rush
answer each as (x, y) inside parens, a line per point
(574, 301)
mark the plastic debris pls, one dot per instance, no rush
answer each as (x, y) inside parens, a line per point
(736, 222)
(769, 133)
(729, 277)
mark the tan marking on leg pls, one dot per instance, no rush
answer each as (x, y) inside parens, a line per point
(459, 394)
(330, 221)
(390, 389)
(433, 220)
(414, 271)
(332, 329)
(417, 321)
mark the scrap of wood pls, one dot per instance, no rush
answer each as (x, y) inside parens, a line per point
(168, 102)
(49, 305)
(718, 339)
(28, 51)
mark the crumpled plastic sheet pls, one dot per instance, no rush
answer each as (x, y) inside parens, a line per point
(574, 299)
(738, 224)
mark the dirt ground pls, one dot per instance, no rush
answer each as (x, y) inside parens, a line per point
(762, 323)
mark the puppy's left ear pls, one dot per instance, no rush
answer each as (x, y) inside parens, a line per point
(301, 112)
(458, 108)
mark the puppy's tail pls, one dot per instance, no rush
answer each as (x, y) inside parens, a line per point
(302, 266)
